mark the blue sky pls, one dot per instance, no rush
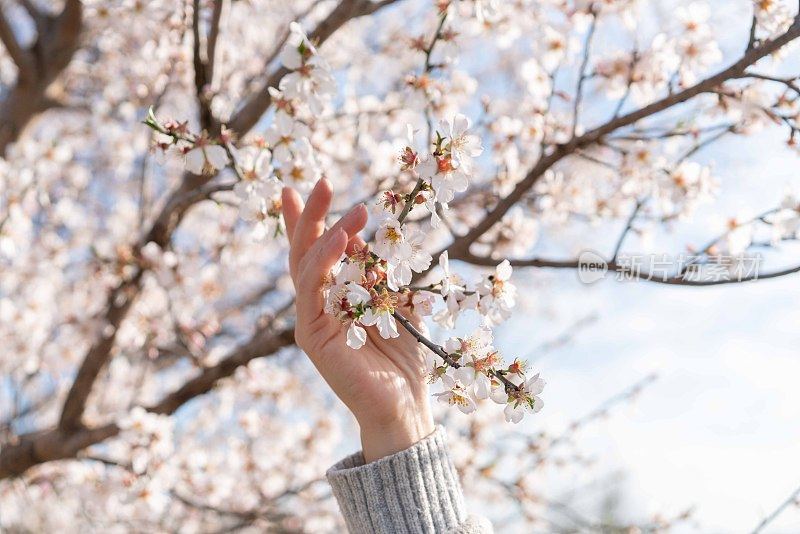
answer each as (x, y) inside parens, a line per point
(718, 429)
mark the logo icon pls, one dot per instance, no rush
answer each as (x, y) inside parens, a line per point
(591, 267)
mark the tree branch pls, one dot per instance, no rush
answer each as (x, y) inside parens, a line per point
(460, 246)
(775, 513)
(627, 229)
(56, 43)
(262, 343)
(118, 304)
(613, 266)
(790, 83)
(220, 6)
(56, 443)
(199, 66)
(587, 50)
(24, 59)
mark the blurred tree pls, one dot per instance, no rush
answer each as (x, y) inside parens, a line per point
(143, 269)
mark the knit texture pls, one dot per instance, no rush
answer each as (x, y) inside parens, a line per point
(411, 491)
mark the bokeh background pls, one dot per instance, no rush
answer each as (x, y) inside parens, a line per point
(715, 432)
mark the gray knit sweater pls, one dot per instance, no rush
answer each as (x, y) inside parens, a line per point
(411, 491)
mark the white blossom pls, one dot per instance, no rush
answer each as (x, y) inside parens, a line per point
(456, 394)
(390, 243)
(463, 145)
(497, 295)
(206, 159)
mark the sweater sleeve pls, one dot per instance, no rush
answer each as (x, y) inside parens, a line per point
(411, 491)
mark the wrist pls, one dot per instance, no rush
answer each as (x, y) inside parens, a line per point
(380, 439)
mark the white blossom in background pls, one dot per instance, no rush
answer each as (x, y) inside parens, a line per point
(206, 158)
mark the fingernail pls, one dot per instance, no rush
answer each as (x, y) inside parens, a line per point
(355, 209)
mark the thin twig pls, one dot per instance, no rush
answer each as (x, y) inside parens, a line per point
(627, 229)
(439, 351)
(582, 76)
(775, 513)
(24, 59)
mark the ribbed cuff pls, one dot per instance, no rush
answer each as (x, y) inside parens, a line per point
(415, 490)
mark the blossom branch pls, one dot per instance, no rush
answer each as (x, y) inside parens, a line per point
(627, 229)
(256, 104)
(57, 443)
(459, 248)
(448, 359)
(437, 349)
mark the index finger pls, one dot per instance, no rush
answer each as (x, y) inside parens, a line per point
(292, 209)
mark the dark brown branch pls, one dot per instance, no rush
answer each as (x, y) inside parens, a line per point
(29, 450)
(55, 44)
(48, 445)
(220, 6)
(436, 349)
(199, 66)
(788, 82)
(613, 266)
(264, 342)
(24, 59)
(626, 230)
(751, 39)
(440, 352)
(118, 304)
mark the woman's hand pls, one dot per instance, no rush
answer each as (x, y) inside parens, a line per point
(383, 382)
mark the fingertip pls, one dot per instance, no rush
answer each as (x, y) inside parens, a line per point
(292, 199)
(355, 219)
(323, 187)
(361, 210)
(320, 199)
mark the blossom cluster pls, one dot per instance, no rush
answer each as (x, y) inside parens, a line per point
(283, 155)
(371, 286)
